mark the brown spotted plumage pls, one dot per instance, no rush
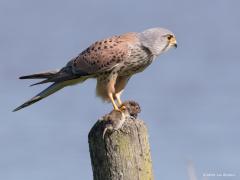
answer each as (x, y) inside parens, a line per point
(112, 61)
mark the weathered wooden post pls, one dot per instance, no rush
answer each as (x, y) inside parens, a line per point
(122, 154)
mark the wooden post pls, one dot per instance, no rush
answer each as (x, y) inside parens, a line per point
(123, 154)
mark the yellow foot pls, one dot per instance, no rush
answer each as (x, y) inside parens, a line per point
(121, 108)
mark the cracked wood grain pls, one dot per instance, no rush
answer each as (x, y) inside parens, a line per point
(123, 154)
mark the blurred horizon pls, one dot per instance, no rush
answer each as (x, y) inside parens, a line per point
(189, 96)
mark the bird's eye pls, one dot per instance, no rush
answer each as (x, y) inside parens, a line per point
(169, 37)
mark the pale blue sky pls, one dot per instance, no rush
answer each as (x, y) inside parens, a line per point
(189, 96)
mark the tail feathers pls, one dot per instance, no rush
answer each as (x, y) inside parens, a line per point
(52, 76)
(59, 77)
(45, 93)
(42, 82)
(40, 75)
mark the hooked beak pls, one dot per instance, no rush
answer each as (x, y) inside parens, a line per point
(173, 42)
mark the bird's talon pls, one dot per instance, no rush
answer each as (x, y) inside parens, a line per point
(120, 109)
(123, 108)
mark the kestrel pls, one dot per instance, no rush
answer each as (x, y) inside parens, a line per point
(111, 61)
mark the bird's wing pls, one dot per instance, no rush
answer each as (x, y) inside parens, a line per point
(99, 57)
(104, 55)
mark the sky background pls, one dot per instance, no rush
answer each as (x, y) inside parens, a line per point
(190, 97)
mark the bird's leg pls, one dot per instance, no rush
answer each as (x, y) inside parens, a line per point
(117, 95)
(111, 89)
(120, 105)
(110, 95)
(111, 92)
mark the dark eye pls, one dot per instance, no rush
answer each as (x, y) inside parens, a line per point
(169, 37)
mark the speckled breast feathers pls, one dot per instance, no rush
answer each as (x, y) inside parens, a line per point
(112, 61)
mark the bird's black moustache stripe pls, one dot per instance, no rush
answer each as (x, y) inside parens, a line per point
(166, 46)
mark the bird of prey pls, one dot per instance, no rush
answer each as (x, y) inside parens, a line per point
(111, 61)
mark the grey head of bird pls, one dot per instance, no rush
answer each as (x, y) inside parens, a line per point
(157, 40)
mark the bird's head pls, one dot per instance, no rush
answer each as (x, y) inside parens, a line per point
(158, 40)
